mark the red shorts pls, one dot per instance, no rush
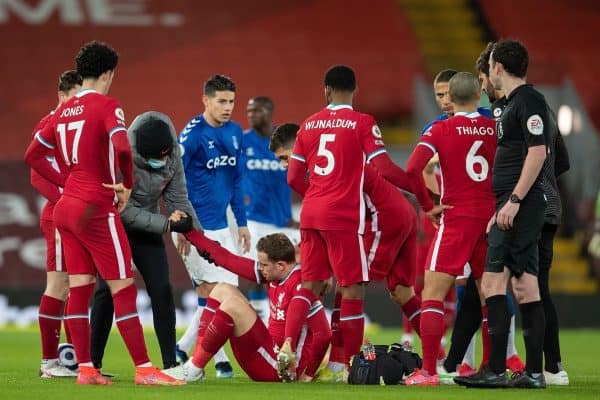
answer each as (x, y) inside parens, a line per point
(457, 241)
(255, 352)
(93, 239)
(54, 252)
(391, 244)
(340, 252)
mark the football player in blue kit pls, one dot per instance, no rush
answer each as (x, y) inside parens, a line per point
(211, 147)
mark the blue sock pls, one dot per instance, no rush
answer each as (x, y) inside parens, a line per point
(460, 294)
(257, 294)
(201, 302)
(510, 301)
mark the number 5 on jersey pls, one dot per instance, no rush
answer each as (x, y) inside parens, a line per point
(322, 151)
(76, 126)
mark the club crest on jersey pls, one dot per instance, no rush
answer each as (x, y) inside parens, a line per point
(120, 115)
(497, 112)
(250, 151)
(376, 131)
(535, 125)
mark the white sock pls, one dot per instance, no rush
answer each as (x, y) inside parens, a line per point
(469, 357)
(511, 350)
(188, 340)
(220, 356)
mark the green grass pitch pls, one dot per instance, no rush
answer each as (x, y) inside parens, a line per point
(20, 349)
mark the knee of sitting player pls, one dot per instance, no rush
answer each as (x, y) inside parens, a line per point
(526, 288)
(239, 310)
(224, 291)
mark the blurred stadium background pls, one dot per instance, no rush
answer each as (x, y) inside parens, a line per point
(281, 49)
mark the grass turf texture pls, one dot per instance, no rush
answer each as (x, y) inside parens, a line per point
(20, 352)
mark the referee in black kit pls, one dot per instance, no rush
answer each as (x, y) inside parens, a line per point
(516, 227)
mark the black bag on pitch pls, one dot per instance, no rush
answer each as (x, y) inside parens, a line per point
(391, 365)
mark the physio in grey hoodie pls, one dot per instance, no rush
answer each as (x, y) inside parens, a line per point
(158, 175)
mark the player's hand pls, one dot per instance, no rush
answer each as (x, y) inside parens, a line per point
(244, 238)
(491, 223)
(122, 192)
(183, 245)
(506, 215)
(435, 214)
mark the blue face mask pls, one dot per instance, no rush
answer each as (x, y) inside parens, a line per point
(157, 164)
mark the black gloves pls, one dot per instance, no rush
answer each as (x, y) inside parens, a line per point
(183, 225)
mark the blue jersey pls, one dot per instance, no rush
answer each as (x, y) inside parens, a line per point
(213, 171)
(486, 112)
(265, 182)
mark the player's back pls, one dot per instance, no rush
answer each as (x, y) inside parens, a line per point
(466, 145)
(83, 127)
(330, 143)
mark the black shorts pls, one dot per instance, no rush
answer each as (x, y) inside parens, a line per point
(517, 248)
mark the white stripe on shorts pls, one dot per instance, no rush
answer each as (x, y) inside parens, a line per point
(265, 354)
(436, 246)
(58, 251)
(117, 245)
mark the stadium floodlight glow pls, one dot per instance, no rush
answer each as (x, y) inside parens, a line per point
(565, 120)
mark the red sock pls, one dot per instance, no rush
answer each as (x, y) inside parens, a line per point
(320, 332)
(76, 318)
(129, 324)
(485, 337)
(219, 330)
(432, 329)
(412, 312)
(50, 317)
(297, 313)
(352, 325)
(211, 307)
(337, 342)
(67, 330)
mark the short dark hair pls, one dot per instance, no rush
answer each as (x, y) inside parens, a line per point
(218, 83)
(96, 58)
(265, 101)
(283, 136)
(444, 76)
(68, 80)
(340, 77)
(463, 88)
(513, 56)
(278, 247)
(483, 61)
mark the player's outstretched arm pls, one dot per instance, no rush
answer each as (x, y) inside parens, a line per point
(391, 172)
(214, 252)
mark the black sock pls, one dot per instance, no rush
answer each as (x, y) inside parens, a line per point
(534, 324)
(101, 319)
(468, 320)
(551, 341)
(498, 326)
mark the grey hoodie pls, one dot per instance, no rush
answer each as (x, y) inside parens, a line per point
(143, 209)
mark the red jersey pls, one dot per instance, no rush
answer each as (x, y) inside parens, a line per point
(81, 130)
(466, 145)
(280, 294)
(333, 146)
(46, 188)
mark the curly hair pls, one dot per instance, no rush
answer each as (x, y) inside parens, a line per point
(283, 136)
(96, 58)
(68, 80)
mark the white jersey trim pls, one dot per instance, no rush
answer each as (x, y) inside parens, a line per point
(429, 146)
(42, 141)
(375, 154)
